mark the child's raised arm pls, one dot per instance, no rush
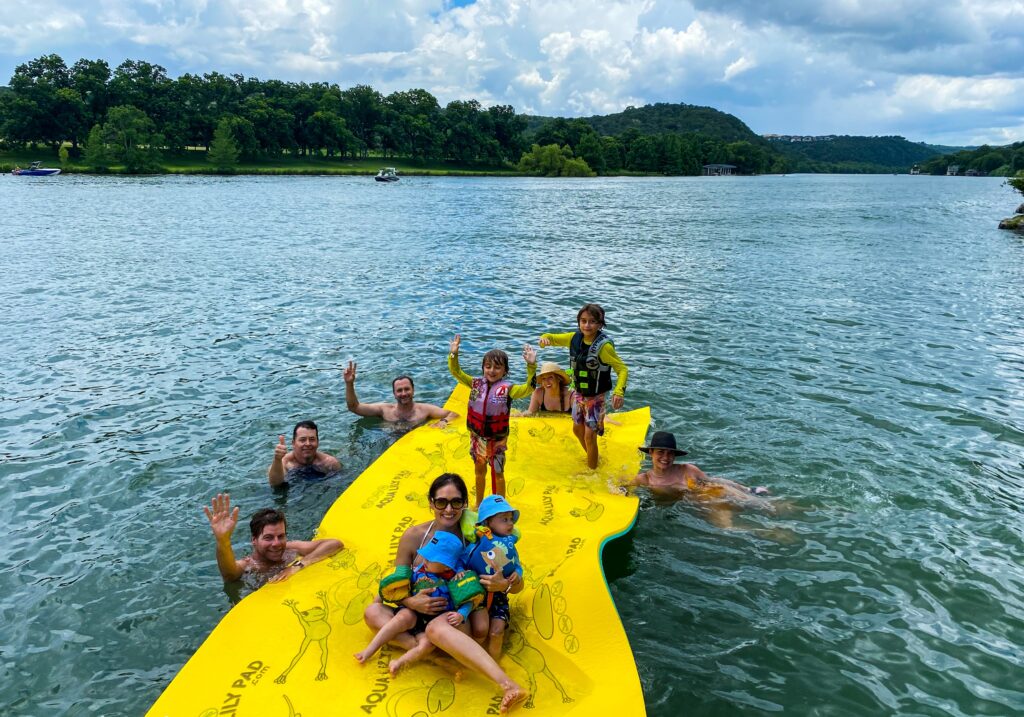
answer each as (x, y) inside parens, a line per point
(522, 390)
(546, 340)
(453, 362)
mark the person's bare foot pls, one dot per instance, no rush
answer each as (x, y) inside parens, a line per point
(362, 657)
(514, 694)
(395, 666)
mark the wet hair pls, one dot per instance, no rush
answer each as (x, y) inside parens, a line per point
(497, 357)
(448, 479)
(402, 378)
(595, 311)
(305, 424)
(262, 518)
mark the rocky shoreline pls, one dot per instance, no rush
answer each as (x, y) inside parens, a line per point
(1015, 223)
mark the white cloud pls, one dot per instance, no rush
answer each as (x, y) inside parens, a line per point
(853, 66)
(931, 93)
(26, 25)
(738, 67)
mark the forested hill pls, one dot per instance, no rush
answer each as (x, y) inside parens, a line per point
(894, 154)
(665, 118)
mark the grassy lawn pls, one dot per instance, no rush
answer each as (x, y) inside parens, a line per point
(194, 162)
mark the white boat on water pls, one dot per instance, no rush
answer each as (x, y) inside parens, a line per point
(36, 169)
(387, 174)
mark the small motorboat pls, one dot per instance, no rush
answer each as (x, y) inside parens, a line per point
(34, 170)
(387, 174)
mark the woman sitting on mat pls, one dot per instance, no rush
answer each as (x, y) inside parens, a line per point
(448, 498)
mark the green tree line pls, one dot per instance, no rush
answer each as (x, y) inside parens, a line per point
(669, 153)
(136, 105)
(130, 115)
(998, 161)
(854, 154)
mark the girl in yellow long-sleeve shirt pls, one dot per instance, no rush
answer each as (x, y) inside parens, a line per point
(592, 358)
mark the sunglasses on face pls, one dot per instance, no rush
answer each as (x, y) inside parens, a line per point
(443, 503)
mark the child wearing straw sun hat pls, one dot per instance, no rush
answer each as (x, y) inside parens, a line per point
(552, 392)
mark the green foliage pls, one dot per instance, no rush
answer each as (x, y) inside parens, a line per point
(223, 152)
(664, 152)
(576, 167)
(997, 161)
(1017, 182)
(62, 154)
(96, 155)
(657, 119)
(133, 139)
(48, 102)
(591, 151)
(553, 161)
(843, 153)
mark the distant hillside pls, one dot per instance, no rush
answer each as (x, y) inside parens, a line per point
(665, 118)
(893, 154)
(993, 161)
(946, 149)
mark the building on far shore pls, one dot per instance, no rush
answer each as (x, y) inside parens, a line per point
(952, 170)
(719, 170)
(916, 169)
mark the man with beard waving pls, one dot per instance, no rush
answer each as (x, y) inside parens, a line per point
(404, 410)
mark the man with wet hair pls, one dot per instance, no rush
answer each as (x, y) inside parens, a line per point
(273, 556)
(305, 453)
(404, 410)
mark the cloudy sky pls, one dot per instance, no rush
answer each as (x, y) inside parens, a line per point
(941, 71)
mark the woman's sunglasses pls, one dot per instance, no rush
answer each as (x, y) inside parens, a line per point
(443, 503)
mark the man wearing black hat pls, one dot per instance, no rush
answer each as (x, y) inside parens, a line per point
(675, 480)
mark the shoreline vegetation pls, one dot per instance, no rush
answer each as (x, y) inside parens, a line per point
(194, 162)
(134, 119)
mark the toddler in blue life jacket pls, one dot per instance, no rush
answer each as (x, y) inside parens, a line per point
(442, 561)
(490, 406)
(493, 553)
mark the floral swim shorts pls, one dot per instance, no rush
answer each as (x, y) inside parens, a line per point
(489, 450)
(589, 411)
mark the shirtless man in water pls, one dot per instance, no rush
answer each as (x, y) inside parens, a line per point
(305, 452)
(274, 557)
(403, 410)
(668, 479)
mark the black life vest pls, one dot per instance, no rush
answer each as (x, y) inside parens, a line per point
(590, 375)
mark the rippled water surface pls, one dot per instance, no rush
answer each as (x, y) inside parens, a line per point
(856, 343)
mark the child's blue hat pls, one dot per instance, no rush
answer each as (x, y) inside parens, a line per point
(443, 548)
(492, 505)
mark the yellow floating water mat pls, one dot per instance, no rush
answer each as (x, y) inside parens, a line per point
(287, 648)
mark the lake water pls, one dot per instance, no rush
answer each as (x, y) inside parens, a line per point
(854, 342)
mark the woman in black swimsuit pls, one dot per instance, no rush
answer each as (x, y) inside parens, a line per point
(552, 393)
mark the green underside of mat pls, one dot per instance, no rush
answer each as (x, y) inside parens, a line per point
(287, 648)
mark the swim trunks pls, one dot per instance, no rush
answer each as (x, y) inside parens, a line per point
(490, 451)
(589, 411)
(499, 607)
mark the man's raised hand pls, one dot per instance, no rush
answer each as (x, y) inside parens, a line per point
(223, 518)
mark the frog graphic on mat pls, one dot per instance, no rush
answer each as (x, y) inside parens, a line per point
(315, 628)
